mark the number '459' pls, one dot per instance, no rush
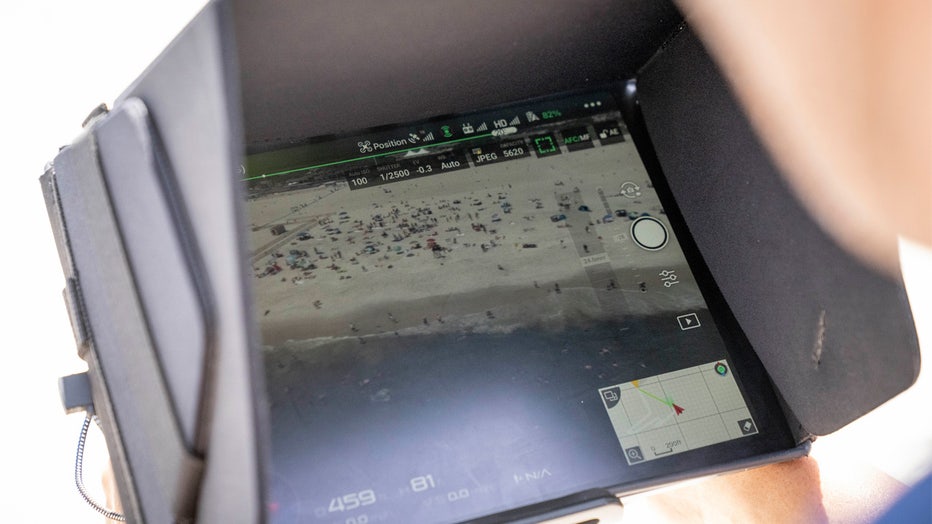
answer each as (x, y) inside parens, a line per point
(351, 501)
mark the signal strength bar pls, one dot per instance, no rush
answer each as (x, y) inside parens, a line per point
(429, 137)
(515, 121)
(483, 127)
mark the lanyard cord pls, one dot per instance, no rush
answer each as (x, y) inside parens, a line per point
(79, 473)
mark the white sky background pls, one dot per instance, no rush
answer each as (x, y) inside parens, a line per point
(59, 60)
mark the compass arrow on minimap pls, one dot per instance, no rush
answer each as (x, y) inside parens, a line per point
(668, 401)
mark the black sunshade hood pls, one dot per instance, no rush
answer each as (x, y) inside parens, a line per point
(836, 338)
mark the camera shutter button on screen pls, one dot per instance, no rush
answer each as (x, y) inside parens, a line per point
(649, 233)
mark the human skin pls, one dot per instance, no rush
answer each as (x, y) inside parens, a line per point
(792, 492)
(840, 92)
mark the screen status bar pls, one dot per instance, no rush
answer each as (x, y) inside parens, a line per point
(405, 152)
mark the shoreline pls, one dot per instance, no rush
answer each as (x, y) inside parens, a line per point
(465, 312)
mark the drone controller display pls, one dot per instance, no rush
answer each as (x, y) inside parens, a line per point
(477, 313)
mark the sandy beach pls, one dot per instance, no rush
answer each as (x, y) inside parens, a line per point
(471, 250)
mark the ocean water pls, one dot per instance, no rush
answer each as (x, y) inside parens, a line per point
(511, 418)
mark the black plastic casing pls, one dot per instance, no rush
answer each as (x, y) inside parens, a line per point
(146, 207)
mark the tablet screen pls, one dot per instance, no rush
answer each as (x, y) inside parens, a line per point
(475, 313)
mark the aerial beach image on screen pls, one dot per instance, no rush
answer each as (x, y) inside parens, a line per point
(523, 232)
(523, 269)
